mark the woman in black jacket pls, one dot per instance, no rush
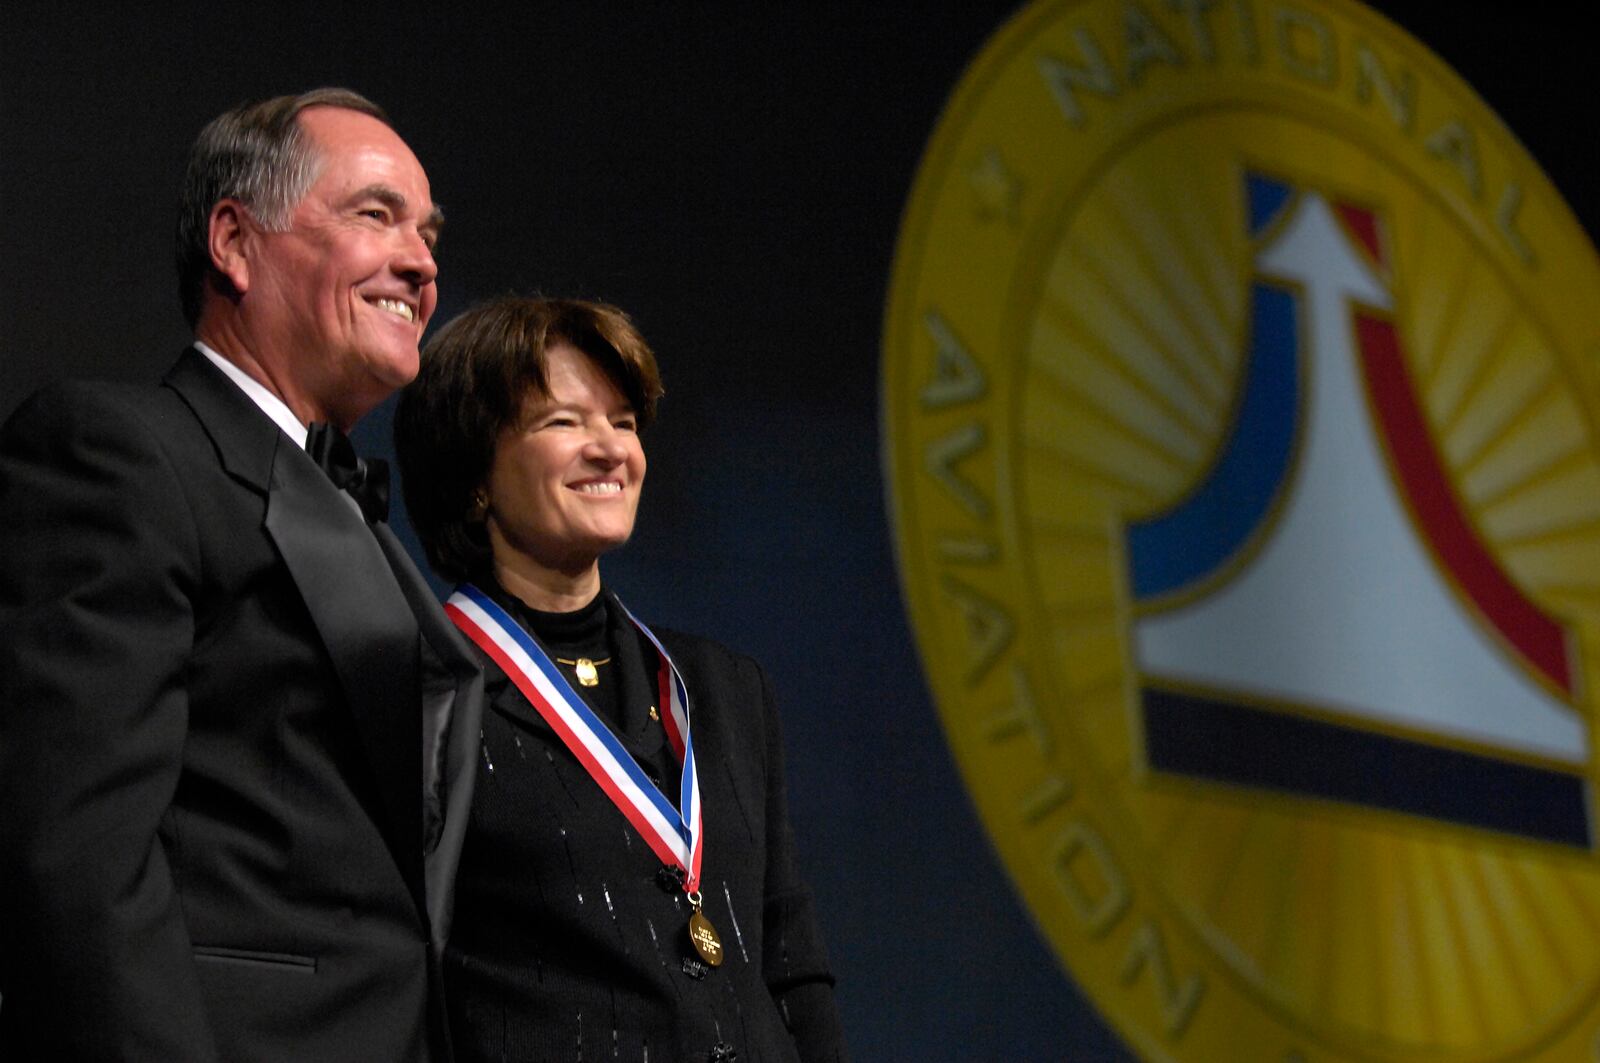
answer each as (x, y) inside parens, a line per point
(627, 886)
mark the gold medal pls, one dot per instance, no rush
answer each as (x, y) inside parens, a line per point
(702, 935)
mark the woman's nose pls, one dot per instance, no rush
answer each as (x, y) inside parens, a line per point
(606, 444)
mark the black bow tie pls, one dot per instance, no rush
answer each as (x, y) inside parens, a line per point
(365, 481)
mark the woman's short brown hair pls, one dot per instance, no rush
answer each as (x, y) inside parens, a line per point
(476, 373)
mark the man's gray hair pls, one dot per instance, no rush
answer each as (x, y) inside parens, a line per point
(258, 154)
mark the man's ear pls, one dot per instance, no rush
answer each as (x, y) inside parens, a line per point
(228, 240)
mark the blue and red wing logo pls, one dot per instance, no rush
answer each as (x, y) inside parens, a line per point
(1319, 615)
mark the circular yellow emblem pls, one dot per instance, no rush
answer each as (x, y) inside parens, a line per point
(1240, 395)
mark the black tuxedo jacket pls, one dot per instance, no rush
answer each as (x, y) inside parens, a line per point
(225, 707)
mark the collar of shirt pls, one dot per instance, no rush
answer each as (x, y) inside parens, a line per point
(270, 404)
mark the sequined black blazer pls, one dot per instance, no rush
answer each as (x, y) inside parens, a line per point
(569, 943)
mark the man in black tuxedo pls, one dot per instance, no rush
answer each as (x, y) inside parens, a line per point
(225, 693)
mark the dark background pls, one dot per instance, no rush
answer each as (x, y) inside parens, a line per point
(733, 175)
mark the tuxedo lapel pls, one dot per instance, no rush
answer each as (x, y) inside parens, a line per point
(245, 438)
(452, 719)
(355, 603)
(369, 631)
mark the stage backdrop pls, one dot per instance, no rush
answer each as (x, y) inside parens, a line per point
(1152, 446)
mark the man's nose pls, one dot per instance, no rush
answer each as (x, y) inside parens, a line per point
(414, 259)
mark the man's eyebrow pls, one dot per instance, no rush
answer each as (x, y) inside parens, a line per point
(434, 222)
(396, 201)
(390, 197)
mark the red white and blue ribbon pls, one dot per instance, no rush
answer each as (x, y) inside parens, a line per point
(675, 839)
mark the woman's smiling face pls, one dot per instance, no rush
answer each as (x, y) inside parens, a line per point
(565, 481)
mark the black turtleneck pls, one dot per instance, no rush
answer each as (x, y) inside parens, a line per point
(626, 691)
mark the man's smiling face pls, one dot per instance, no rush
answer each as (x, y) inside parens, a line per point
(345, 293)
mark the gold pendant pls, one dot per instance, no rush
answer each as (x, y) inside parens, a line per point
(586, 672)
(703, 936)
